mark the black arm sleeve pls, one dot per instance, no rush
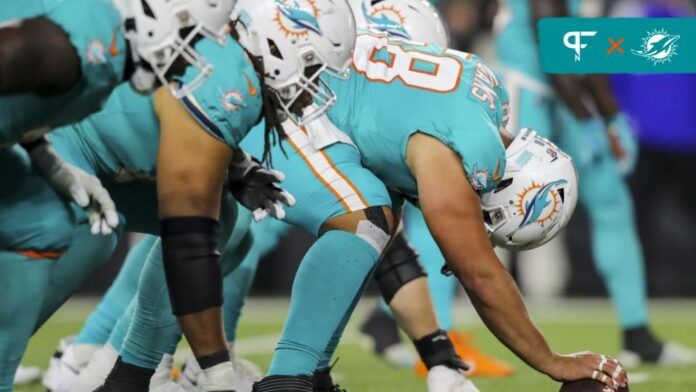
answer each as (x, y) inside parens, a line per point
(192, 263)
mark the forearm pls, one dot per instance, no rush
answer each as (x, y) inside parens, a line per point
(499, 304)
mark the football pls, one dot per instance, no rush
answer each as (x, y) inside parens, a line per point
(587, 385)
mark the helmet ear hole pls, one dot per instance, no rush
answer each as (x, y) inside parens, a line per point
(274, 49)
(561, 193)
(487, 218)
(147, 10)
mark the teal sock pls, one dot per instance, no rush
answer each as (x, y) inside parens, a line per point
(102, 320)
(236, 286)
(120, 329)
(615, 243)
(330, 278)
(442, 288)
(325, 360)
(153, 331)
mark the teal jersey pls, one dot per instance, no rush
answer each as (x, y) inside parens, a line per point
(397, 89)
(229, 103)
(121, 141)
(25, 8)
(94, 29)
(119, 144)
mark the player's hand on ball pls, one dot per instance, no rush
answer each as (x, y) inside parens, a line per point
(586, 364)
(81, 187)
(256, 187)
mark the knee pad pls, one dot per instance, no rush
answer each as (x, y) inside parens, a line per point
(192, 263)
(398, 266)
(374, 229)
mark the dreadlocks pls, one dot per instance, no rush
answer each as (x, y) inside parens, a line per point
(273, 132)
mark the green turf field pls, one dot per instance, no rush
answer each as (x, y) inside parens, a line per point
(569, 325)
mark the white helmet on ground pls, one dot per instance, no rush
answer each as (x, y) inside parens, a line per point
(415, 20)
(154, 31)
(297, 40)
(536, 196)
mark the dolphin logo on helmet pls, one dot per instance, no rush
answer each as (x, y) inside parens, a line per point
(300, 18)
(535, 207)
(384, 24)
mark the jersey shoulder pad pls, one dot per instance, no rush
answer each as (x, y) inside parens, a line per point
(228, 103)
(481, 150)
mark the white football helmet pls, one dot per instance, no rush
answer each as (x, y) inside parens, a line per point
(415, 20)
(162, 32)
(297, 40)
(536, 196)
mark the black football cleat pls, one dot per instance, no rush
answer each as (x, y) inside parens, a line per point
(284, 384)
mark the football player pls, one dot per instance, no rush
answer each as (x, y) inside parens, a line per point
(417, 21)
(197, 136)
(193, 125)
(430, 123)
(61, 59)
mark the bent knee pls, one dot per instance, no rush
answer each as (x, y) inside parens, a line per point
(375, 225)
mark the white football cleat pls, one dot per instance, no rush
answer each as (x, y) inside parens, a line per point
(217, 378)
(188, 380)
(162, 380)
(66, 364)
(672, 354)
(245, 374)
(95, 373)
(444, 379)
(27, 375)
